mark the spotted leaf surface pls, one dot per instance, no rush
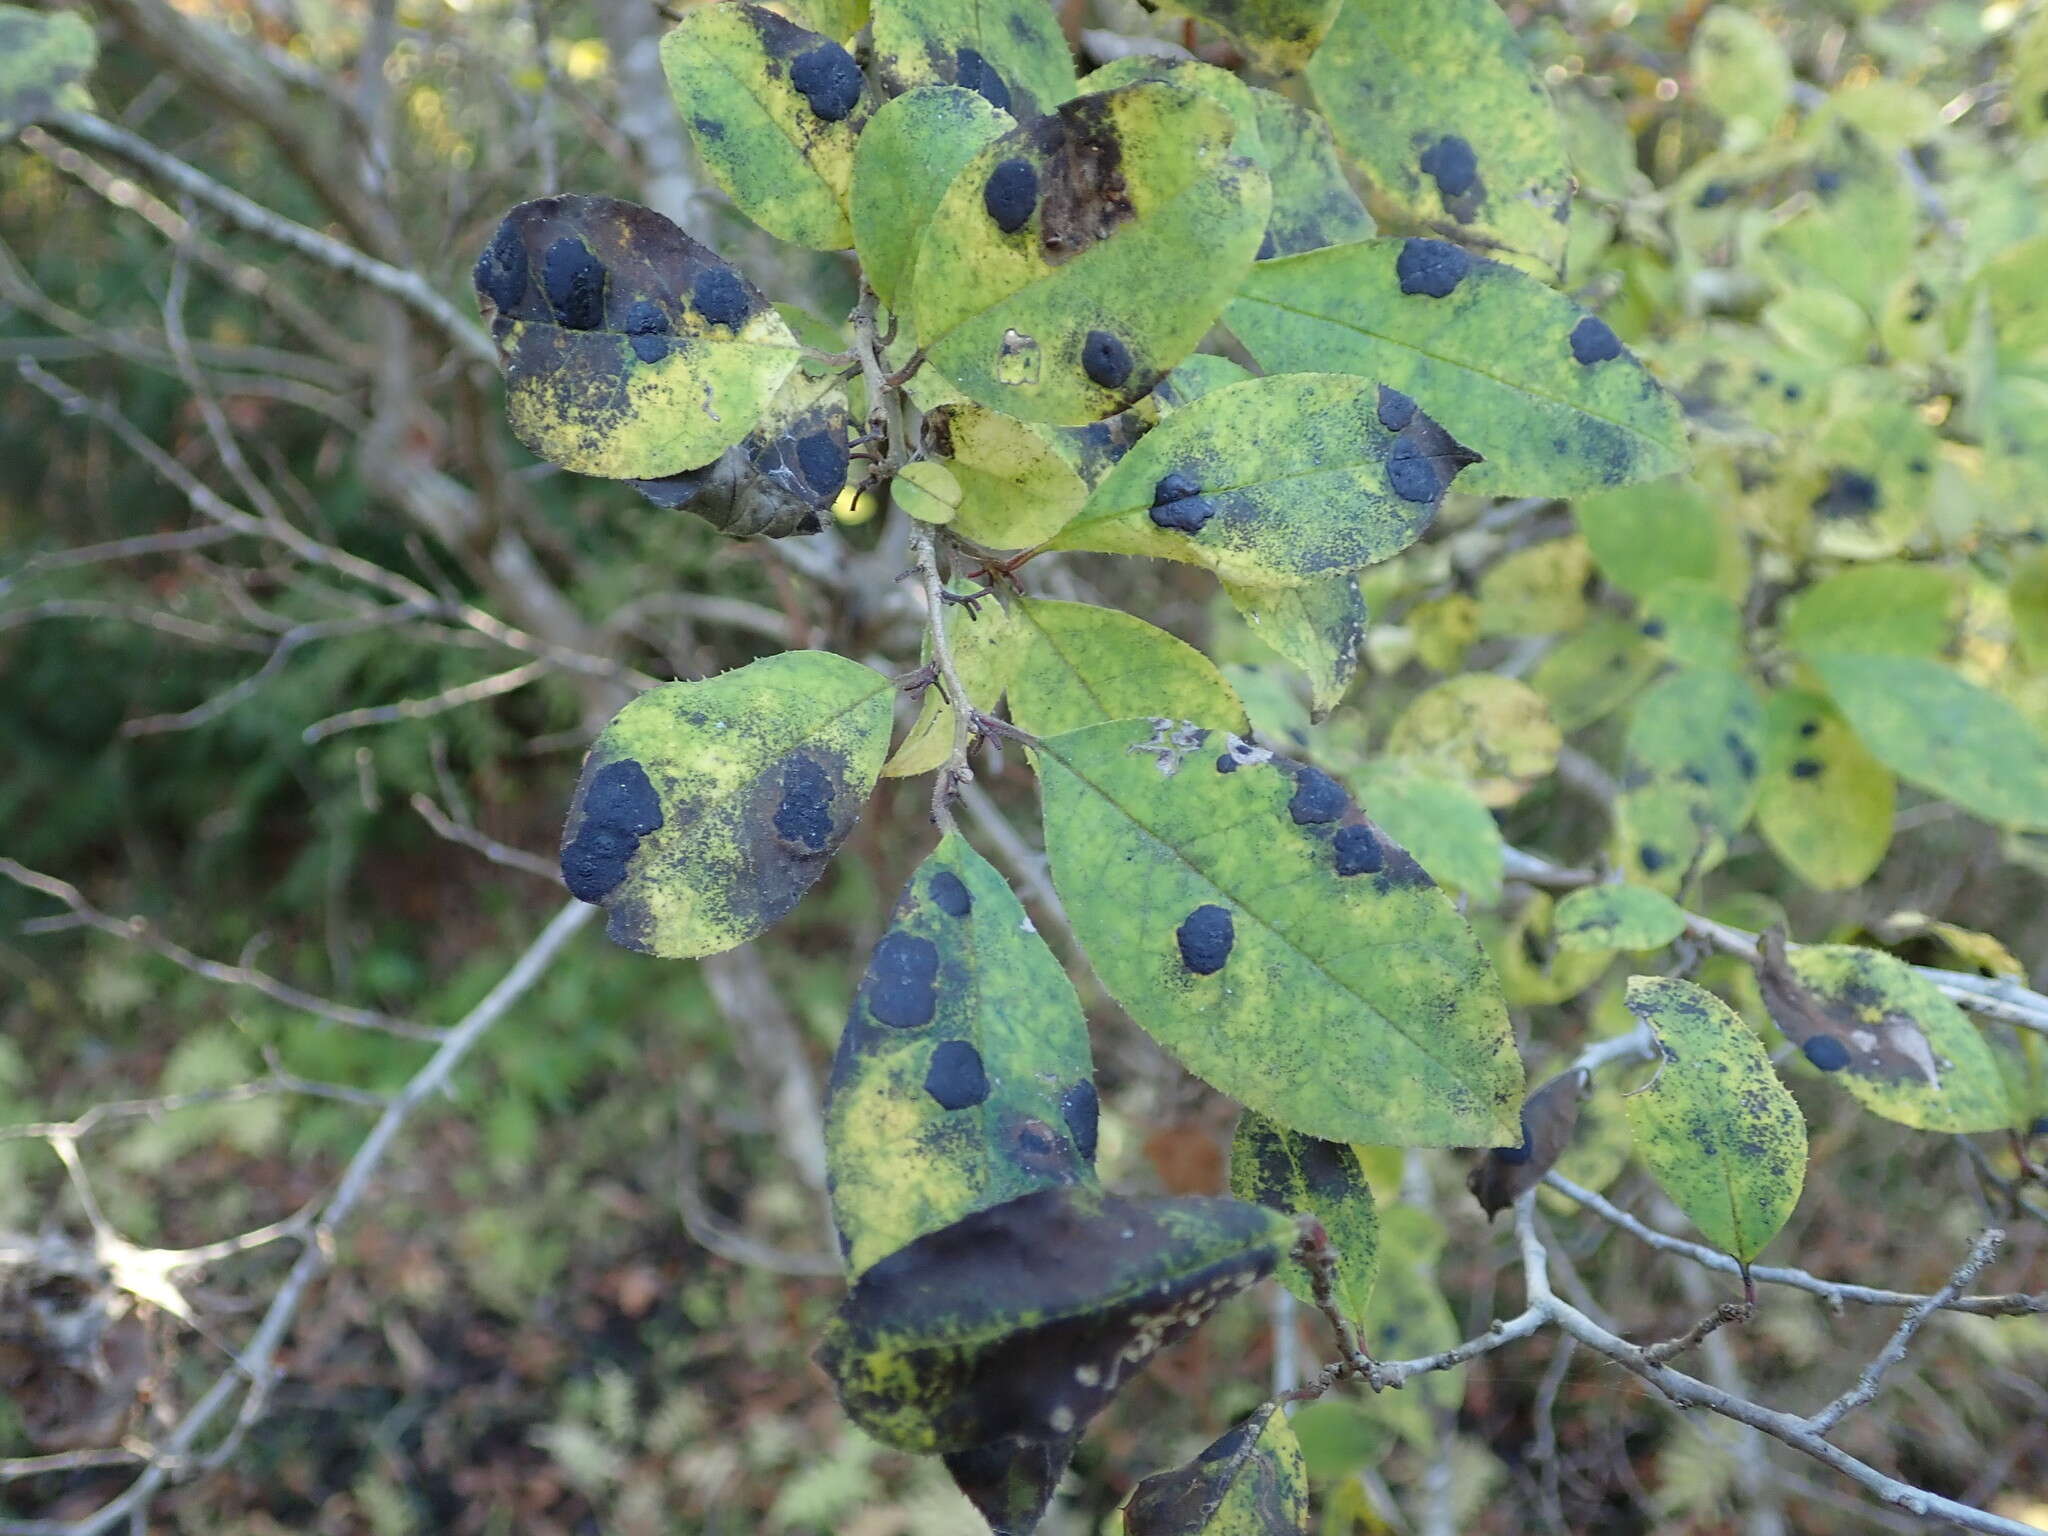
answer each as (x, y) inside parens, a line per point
(1549, 1117)
(1824, 803)
(1011, 1482)
(1080, 665)
(1490, 732)
(1319, 626)
(1250, 1481)
(1715, 1126)
(44, 55)
(705, 810)
(1276, 482)
(774, 110)
(1282, 946)
(1017, 488)
(1701, 727)
(1541, 390)
(630, 350)
(1886, 1034)
(1440, 107)
(1022, 1321)
(1010, 52)
(1054, 282)
(963, 1078)
(1313, 202)
(1220, 85)
(908, 155)
(1276, 35)
(1442, 822)
(1303, 1176)
(1604, 918)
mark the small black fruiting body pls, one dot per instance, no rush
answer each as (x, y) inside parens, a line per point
(1358, 851)
(619, 808)
(573, 280)
(829, 80)
(1082, 1110)
(950, 894)
(902, 980)
(1450, 163)
(1178, 504)
(1105, 359)
(1010, 194)
(1594, 341)
(956, 1078)
(976, 74)
(1205, 938)
(1826, 1052)
(501, 271)
(1431, 268)
(804, 817)
(721, 298)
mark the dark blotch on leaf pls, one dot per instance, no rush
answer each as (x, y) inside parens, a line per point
(829, 80)
(1082, 1110)
(902, 975)
(1806, 768)
(1827, 183)
(1653, 629)
(2039, 1127)
(619, 808)
(1594, 341)
(1826, 1052)
(721, 298)
(956, 1078)
(1205, 938)
(1450, 163)
(573, 280)
(1424, 460)
(1317, 798)
(501, 271)
(648, 327)
(822, 458)
(1431, 268)
(1358, 851)
(1849, 493)
(1105, 359)
(1010, 194)
(1177, 504)
(1396, 410)
(1713, 195)
(950, 894)
(1809, 727)
(1226, 764)
(1652, 858)
(805, 815)
(649, 348)
(979, 76)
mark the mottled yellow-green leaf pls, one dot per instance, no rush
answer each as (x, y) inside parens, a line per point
(1278, 36)
(1604, 918)
(1442, 822)
(1740, 71)
(1286, 950)
(1543, 391)
(1872, 469)
(2014, 308)
(963, 1077)
(1440, 107)
(1251, 1481)
(1054, 281)
(1275, 482)
(907, 156)
(985, 646)
(1829, 327)
(1023, 1320)
(1313, 202)
(1017, 489)
(1318, 626)
(1229, 92)
(1938, 730)
(1077, 664)
(1010, 51)
(1859, 224)
(927, 491)
(1667, 831)
(1647, 535)
(1303, 1176)
(1535, 591)
(1535, 970)
(1409, 1316)
(774, 110)
(1890, 608)
(44, 55)
(630, 350)
(1704, 727)
(1696, 625)
(1588, 675)
(1195, 376)
(1715, 1126)
(1494, 733)
(1825, 804)
(1885, 1033)
(705, 810)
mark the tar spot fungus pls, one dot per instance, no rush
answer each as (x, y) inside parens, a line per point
(902, 977)
(1594, 341)
(1083, 1112)
(501, 271)
(1431, 268)
(1738, 749)
(829, 79)
(1358, 851)
(1226, 763)
(2039, 1127)
(1848, 494)
(573, 280)
(950, 894)
(956, 1078)
(1827, 183)
(1652, 857)
(805, 815)
(1806, 768)
(822, 458)
(1713, 195)
(619, 808)
(647, 331)
(1450, 163)
(1809, 727)
(1793, 391)
(978, 75)
(721, 298)
(1205, 937)
(1826, 1052)
(1317, 798)
(1267, 248)
(1010, 195)
(1396, 410)
(1178, 505)
(1105, 359)
(1653, 628)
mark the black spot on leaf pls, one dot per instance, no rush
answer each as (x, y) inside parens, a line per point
(1205, 938)
(1011, 194)
(1432, 268)
(1082, 1110)
(619, 808)
(1826, 1052)
(978, 75)
(1848, 493)
(950, 894)
(821, 457)
(1177, 503)
(1424, 460)
(721, 298)
(901, 982)
(1713, 195)
(829, 80)
(1317, 798)
(1396, 410)
(1267, 247)
(1358, 851)
(1105, 359)
(1738, 750)
(1806, 768)
(2039, 1127)
(1226, 764)
(1827, 183)
(956, 1078)
(1793, 391)
(805, 815)
(1652, 628)
(1450, 163)
(573, 280)
(1652, 858)
(1809, 728)
(1594, 341)
(501, 271)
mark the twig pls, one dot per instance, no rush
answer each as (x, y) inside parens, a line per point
(437, 704)
(954, 772)
(1729, 1312)
(498, 853)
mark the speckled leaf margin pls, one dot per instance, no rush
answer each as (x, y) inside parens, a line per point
(1303, 1175)
(1250, 1481)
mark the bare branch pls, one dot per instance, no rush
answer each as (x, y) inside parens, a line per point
(437, 704)
(490, 848)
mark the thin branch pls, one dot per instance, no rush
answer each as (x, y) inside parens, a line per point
(443, 825)
(437, 704)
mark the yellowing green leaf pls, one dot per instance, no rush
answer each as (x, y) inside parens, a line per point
(1703, 727)
(907, 156)
(1535, 970)
(1318, 626)
(1252, 1481)
(1078, 665)
(1011, 52)
(1220, 85)
(1891, 608)
(1535, 591)
(1287, 1171)
(1442, 822)
(43, 57)
(1588, 675)
(1646, 535)
(1740, 69)
(1276, 35)
(927, 491)
(1604, 918)
(984, 644)
(1825, 804)
(1313, 203)
(1873, 471)
(1494, 733)
(1017, 489)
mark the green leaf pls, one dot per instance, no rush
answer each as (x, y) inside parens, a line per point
(1195, 376)
(1696, 625)
(927, 491)
(1715, 1126)
(1857, 227)
(1051, 290)
(1078, 665)
(1535, 970)
(1443, 823)
(1739, 69)
(1936, 729)
(907, 156)
(705, 810)
(1705, 727)
(1646, 535)
(1440, 107)
(1540, 590)
(1010, 51)
(1885, 1033)
(1207, 881)
(774, 110)
(1313, 203)
(1604, 918)
(1022, 1321)
(984, 644)
(1409, 1317)
(1891, 608)
(836, 19)
(1251, 1481)
(962, 1079)
(1287, 1171)
(1587, 676)
(1278, 36)
(1319, 627)
(630, 351)
(1017, 489)
(1496, 359)
(1491, 732)
(1825, 804)
(1870, 481)
(1667, 831)
(1275, 481)
(1219, 85)
(43, 58)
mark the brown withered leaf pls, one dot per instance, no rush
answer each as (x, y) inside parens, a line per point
(1549, 1116)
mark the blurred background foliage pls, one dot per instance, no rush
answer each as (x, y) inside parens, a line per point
(1824, 223)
